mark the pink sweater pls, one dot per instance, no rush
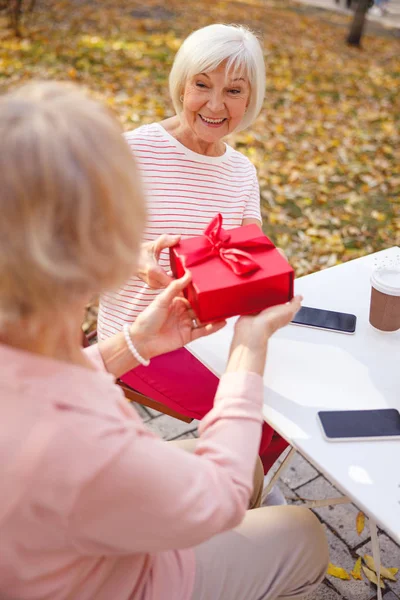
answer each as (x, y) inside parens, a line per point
(93, 505)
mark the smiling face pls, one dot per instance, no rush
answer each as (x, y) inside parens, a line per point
(214, 103)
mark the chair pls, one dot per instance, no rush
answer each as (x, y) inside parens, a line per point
(133, 395)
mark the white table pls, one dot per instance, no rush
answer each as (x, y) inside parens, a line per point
(310, 370)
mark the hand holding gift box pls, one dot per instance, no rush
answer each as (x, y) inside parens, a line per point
(234, 272)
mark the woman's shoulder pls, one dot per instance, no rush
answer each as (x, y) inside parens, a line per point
(150, 132)
(238, 159)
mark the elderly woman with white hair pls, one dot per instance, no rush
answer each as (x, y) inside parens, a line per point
(217, 86)
(93, 505)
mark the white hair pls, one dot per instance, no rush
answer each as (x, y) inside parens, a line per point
(205, 49)
(71, 205)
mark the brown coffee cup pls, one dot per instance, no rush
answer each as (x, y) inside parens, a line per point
(385, 299)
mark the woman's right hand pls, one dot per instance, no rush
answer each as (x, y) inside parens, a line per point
(249, 345)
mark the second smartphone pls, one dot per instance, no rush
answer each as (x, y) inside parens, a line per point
(355, 425)
(325, 319)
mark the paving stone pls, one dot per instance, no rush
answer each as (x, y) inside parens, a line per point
(298, 472)
(390, 596)
(169, 428)
(185, 436)
(341, 556)
(153, 413)
(142, 411)
(324, 592)
(340, 517)
(289, 494)
(390, 557)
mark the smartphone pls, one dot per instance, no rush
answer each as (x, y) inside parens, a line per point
(325, 319)
(359, 425)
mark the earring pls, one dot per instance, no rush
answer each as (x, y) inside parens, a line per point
(181, 98)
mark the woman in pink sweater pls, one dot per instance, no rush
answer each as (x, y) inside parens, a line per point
(93, 505)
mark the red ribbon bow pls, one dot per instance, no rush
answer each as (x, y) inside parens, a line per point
(219, 244)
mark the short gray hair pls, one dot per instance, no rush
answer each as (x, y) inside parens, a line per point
(205, 49)
(71, 207)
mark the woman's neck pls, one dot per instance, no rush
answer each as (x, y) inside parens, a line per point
(186, 137)
(58, 337)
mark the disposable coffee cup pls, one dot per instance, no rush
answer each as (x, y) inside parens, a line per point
(385, 299)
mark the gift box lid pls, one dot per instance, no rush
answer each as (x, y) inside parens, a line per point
(213, 272)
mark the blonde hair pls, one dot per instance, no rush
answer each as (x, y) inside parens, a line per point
(71, 207)
(205, 49)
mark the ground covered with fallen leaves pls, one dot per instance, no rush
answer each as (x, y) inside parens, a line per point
(364, 565)
(325, 143)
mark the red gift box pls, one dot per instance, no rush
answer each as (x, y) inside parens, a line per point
(234, 272)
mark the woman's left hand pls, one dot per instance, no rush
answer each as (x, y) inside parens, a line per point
(148, 269)
(169, 322)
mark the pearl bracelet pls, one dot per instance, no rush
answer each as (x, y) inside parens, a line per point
(143, 361)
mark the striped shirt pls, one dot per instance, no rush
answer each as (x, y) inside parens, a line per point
(184, 190)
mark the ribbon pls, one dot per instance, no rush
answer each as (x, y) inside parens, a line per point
(233, 254)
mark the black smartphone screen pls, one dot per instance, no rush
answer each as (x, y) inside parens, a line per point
(325, 319)
(356, 424)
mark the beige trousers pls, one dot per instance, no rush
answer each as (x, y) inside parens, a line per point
(276, 552)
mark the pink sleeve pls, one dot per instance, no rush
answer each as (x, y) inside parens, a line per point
(252, 209)
(153, 496)
(93, 354)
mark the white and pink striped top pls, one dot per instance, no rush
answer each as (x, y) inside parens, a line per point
(185, 190)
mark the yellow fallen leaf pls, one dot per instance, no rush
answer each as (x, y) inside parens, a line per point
(72, 73)
(393, 570)
(372, 577)
(247, 138)
(385, 573)
(337, 572)
(360, 522)
(379, 216)
(356, 572)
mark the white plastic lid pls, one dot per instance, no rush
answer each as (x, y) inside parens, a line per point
(386, 281)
